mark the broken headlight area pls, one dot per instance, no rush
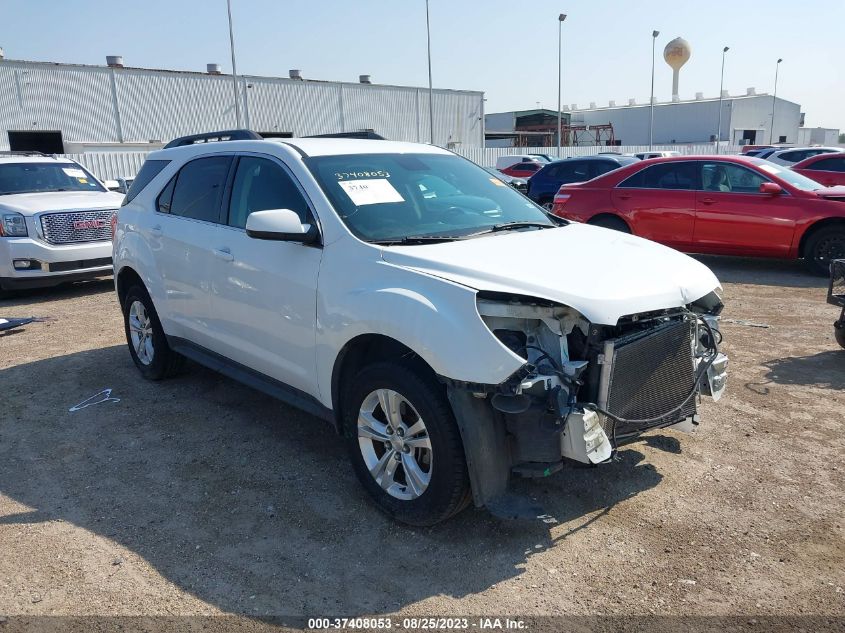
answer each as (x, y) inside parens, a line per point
(585, 388)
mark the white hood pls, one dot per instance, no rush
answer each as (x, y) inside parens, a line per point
(601, 273)
(31, 203)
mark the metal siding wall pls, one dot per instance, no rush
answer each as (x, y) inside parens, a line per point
(300, 107)
(39, 97)
(161, 105)
(689, 122)
(109, 165)
(389, 111)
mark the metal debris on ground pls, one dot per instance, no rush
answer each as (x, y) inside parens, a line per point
(104, 396)
(10, 323)
(746, 323)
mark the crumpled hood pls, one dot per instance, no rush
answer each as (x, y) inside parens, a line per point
(30, 203)
(601, 273)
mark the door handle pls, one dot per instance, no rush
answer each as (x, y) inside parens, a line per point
(156, 231)
(624, 196)
(224, 253)
(707, 201)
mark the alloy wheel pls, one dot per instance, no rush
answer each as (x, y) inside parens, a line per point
(141, 332)
(395, 444)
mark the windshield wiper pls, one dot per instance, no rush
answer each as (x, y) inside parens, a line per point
(417, 239)
(517, 224)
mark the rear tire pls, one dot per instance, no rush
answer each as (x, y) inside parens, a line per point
(145, 337)
(434, 485)
(822, 246)
(611, 222)
(839, 333)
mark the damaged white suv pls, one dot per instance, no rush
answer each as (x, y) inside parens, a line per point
(454, 334)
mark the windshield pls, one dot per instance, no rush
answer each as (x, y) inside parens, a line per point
(395, 197)
(42, 177)
(784, 173)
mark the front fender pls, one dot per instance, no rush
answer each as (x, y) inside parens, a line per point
(130, 249)
(437, 319)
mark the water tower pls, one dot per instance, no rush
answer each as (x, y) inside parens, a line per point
(676, 54)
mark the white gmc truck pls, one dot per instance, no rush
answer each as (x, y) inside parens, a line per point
(55, 222)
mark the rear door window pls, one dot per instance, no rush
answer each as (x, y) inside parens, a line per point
(673, 175)
(199, 188)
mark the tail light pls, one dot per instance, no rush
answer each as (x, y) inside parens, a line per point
(113, 224)
(560, 199)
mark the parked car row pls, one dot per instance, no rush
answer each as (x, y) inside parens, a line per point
(722, 205)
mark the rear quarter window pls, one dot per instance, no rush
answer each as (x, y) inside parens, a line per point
(149, 170)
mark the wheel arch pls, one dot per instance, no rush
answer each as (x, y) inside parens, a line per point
(814, 228)
(366, 349)
(124, 280)
(609, 214)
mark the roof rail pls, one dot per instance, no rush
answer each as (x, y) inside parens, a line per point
(22, 153)
(209, 137)
(363, 134)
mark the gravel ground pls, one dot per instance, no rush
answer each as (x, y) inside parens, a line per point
(200, 496)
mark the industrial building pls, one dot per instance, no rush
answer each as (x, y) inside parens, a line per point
(746, 120)
(524, 128)
(72, 108)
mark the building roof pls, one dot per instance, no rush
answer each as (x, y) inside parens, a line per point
(625, 106)
(206, 74)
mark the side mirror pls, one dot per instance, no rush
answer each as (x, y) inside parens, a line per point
(283, 225)
(113, 185)
(771, 188)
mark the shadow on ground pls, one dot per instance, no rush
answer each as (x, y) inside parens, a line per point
(251, 505)
(825, 369)
(35, 296)
(762, 271)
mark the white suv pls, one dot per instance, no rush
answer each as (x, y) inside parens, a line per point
(55, 222)
(453, 333)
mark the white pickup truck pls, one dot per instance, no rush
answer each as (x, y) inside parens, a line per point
(55, 222)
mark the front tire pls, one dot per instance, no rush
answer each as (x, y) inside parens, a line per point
(822, 246)
(405, 445)
(145, 337)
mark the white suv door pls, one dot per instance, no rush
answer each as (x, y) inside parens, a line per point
(182, 234)
(264, 300)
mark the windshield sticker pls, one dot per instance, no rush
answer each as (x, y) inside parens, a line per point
(73, 172)
(377, 191)
(770, 168)
(356, 175)
(497, 182)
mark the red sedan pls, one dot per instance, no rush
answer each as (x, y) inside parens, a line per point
(721, 205)
(827, 169)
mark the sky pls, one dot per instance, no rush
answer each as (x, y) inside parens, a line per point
(505, 48)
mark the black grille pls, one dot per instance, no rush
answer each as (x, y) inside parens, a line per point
(76, 226)
(651, 374)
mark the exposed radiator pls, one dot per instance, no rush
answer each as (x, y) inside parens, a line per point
(647, 374)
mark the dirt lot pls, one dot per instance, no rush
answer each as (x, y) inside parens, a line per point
(200, 496)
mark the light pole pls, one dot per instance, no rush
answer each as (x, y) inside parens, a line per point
(721, 87)
(560, 20)
(430, 92)
(774, 97)
(654, 35)
(234, 67)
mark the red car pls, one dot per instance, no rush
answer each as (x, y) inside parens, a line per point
(827, 169)
(721, 205)
(525, 169)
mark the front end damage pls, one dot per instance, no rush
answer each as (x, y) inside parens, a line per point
(585, 389)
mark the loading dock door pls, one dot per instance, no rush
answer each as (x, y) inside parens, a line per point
(47, 142)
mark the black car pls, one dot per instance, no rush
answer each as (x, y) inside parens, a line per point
(544, 184)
